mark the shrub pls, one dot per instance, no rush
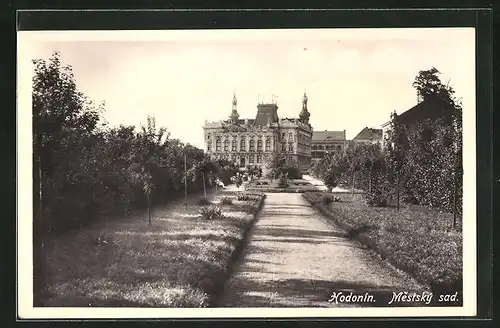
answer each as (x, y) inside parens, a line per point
(242, 196)
(226, 201)
(283, 181)
(211, 213)
(203, 201)
(237, 179)
(293, 172)
(258, 183)
(376, 199)
(327, 199)
(380, 193)
(265, 183)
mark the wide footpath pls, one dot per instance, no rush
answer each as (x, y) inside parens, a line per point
(295, 258)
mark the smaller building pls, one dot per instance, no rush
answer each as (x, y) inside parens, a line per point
(324, 142)
(369, 136)
(432, 108)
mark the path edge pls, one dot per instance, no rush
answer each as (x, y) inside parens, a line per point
(235, 257)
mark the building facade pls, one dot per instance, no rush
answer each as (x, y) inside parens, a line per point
(253, 141)
(369, 136)
(324, 142)
(432, 108)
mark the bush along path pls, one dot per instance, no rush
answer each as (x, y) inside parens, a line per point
(416, 240)
(294, 258)
(181, 260)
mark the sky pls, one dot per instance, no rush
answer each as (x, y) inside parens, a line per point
(354, 78)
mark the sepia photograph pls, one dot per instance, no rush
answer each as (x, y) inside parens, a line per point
(247, 173)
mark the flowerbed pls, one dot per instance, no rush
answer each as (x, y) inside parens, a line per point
(415, 239)
(293, 186)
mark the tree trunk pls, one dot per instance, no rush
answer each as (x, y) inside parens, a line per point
(39, 238)
(185, 183)
(397, 189)
(370, 182)
(149, 208)
(454, 200)
(353, 179)
(204, 187)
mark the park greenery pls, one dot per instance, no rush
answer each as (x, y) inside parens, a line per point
(420, 164)
(417, 239)
(85, 171)
(279, 165)
(88, 169)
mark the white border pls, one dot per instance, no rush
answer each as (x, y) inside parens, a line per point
(25, 201)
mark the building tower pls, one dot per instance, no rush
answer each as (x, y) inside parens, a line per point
(304, 114)
(234, 114)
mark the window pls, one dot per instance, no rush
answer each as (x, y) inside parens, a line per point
(339, 147)
(233, 145)
(217, 144)
(313, 147)
(208, 136)
(251, 159)
(259, 158)
(242, 144)
(233, 157)
(290, 136)
(283, 146)
(252, 145)
(209, 145)
(226, 145)
(268, 144)
(290, 146)
(259, 145)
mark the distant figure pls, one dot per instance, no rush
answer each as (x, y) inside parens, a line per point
(220, 184)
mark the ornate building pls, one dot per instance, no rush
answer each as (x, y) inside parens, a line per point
(252, 141)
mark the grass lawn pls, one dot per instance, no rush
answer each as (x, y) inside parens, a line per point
(180, 260)
(416, 239)
(266, 185)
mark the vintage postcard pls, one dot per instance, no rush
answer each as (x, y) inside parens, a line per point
(247, 173)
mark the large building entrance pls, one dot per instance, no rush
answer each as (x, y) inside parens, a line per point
(242, 161)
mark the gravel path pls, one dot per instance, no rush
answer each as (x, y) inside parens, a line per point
(295, 258)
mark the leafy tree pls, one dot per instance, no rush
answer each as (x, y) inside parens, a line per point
(279, 163)
(201, 169)
(64, 121)
(330, 177)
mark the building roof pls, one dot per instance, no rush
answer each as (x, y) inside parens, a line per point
(369, 134)
(242, 121)
(266, 113)
(328, 135)
(430, 108)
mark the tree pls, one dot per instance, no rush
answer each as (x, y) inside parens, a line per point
(330, 177)
(396, 147)
(63, 120)
(201, 169)
(279, 164)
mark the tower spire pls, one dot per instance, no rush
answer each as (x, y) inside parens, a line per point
(234, 113)
(304, 114)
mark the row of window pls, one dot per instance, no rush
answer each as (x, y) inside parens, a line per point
(284, 147)
(218, 145)
(252, 159)
(328, 147)
(290, 137)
